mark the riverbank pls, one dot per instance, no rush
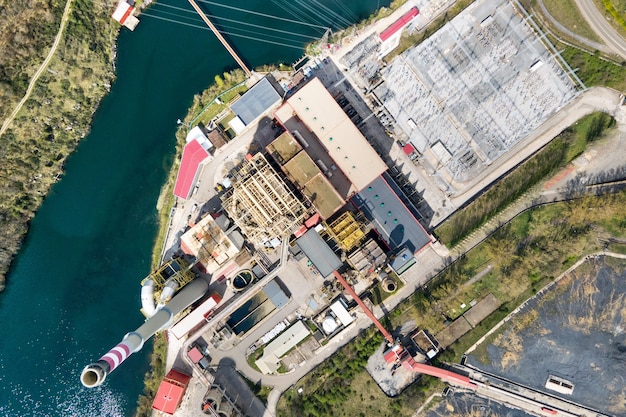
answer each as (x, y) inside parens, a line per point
(165, 204)
(54, 119)
(76, 277)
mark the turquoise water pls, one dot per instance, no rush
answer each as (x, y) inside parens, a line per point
(73, 291)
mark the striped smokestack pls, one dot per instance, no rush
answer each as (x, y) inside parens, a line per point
(94, 374)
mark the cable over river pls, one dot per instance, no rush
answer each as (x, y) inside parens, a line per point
(74, 290)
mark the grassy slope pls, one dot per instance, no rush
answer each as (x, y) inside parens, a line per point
(59, 112)
(562, 150)
(566, 12)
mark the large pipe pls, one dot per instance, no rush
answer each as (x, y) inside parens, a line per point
(167, 292)
(95, 373)
(147, 301)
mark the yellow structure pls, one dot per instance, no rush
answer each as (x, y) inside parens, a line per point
(261, 204)
(176, 269)
(347, 231)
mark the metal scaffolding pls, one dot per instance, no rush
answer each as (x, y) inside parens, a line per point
(177, 269)
(261, 204)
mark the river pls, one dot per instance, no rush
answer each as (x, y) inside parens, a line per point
(73, 290)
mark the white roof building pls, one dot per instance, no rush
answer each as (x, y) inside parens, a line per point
(197, 134)
(124, 14)
(277, 348)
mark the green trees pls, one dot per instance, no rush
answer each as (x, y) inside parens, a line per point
(59, 110)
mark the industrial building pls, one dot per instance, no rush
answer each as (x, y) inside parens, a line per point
(346, 230)
(196, 317)
(367, 258)
(171, 392)
(319, 253)
(390, 217)
(255, 102)
(330, 138)
(277, 348)
(195, 156)
(210, 243)
(305, 174)
(261, 204)
(335, 318)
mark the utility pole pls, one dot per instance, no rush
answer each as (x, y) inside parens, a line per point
(221, 38)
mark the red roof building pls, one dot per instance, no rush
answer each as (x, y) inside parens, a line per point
(399, 24)
(171, 392)
(124, 13)
(195, 355)
(408, 149)
(193, 156)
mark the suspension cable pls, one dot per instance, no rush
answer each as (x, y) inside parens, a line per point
(194, 19)
(236, 21)
(221, 31)
(262, 14)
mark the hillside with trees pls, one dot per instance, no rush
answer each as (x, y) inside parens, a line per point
(58, 113)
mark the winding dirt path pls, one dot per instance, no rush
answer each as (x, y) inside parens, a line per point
(41, 69)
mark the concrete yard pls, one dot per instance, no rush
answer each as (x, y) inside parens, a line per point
(391, 381)
(574, 332)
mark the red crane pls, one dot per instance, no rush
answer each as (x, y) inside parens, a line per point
(397, 353)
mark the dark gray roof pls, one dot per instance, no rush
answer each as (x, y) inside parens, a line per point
(276, 294)
(382, 206)
(255, 101)
(399, 262)
(318, 252)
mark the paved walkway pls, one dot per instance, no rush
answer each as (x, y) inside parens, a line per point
(41, 69)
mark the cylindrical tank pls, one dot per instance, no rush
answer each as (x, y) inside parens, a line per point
(242, 280)
(95, 373)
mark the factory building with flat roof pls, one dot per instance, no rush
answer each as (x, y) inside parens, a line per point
(210, 244)
(316, 116)
(390, 217)
(310, 178)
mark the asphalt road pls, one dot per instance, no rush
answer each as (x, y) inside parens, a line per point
(589, 43)
(599, 24)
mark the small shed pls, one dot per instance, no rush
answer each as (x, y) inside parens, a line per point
(195, 355)
(319, 253)
(171, 392)
(276, 294)
(256, 101)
